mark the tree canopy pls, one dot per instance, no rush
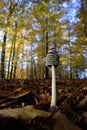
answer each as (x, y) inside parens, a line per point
(27, 28)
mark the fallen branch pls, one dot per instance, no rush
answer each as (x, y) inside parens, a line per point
(29, 117)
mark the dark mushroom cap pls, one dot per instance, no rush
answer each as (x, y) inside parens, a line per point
(52, 58)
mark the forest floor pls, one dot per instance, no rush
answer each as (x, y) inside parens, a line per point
(25, 105)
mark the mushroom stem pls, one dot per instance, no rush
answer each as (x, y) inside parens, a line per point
(53, 100)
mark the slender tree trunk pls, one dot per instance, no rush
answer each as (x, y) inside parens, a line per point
(70, 61)
(14, 45)
(15, 65)
(15, 68)
(31, 68)
(27, 71)
(46, 68)
(3, 56)
(43, 56)
(11, 76)
(70, 69)
(8, 74)
(34, 68)
(13, 56)
(84, 20)
(22, 70)
(76, 69)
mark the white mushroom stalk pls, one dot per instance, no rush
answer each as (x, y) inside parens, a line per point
(52, 61)
(53, 100)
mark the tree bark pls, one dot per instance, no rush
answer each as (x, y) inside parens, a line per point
(9, 61)
(46, 68)
(3, 56)
(14, 44)
(12, 61)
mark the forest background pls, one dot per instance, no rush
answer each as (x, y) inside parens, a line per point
(28, 28)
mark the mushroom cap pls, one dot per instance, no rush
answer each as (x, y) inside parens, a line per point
(52, 58)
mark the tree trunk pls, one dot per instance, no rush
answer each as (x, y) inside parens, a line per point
(8, 74)
(35, 75)
(27, 71)
(15, 65)
(13, 58)
(14, 44)
(70, 60)
(31, 68)
(3, 56)
(14, 74)
(84, 20)
(46, 68)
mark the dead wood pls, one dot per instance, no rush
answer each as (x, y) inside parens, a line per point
(29, 117)
(25, 113)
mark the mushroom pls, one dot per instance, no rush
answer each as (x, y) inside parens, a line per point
(52, 61)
